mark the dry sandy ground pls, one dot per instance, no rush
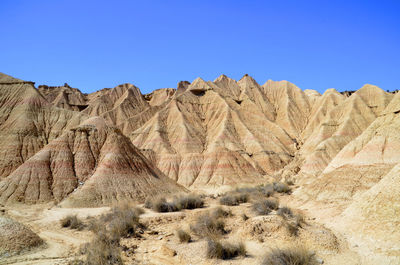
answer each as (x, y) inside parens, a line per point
(159, 244)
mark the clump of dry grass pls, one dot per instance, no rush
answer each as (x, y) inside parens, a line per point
(184, 237)
(281, 187)
(224, 250)
(189, 201)
(102, 250)
(289, 256)
(122, 221)
(244, 217)
(208, 225)
(233, 199)
(72, 221)
(285, 212)
(265, 206)
(161, 205)
(292, 221)
(219, 212)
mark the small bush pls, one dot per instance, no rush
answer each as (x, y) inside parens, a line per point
(225, 250)
(244, 217)
(207, 225)
(290, 256)
(220, 212)
(121, 221)
(102, 250)
(292, 228)
(161, 205)
(264, 207)
(268, 190)
(72, 221)
(299, 219)
(189, 201)
(184, 237)
(285, 212)
(148, 203)
(281, 187)
(233, 199)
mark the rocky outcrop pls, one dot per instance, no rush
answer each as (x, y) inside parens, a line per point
(27, 123)
(204, 136)
(90, 165)
(64, 97)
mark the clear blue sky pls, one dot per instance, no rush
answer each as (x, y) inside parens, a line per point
(154, 44)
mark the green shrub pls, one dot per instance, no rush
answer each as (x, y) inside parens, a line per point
(225, 250)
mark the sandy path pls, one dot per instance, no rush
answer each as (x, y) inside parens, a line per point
(61, 244)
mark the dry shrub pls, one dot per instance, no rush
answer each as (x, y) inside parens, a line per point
(292, 228)
(184, 237)
(207, 225)
(190, 201)
(289, 256)
(224, 250)
(268, 190)
(233, 199)
(102, 251)
(244, 217)
(285, 212)
(264, 207)
(161, 205)
(281, 187)
(121, 221)
(219, 212)
(72, 221)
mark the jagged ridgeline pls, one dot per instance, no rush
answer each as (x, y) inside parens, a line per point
(90, 149)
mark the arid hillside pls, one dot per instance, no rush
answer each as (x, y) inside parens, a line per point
(339, 152)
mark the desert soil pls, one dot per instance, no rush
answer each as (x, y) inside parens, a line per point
(159, 244)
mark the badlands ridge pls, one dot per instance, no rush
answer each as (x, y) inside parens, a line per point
(342, 150)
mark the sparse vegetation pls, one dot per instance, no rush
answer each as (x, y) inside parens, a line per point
(184, 237)
(224, 250)
(102, 250)
(161, 205)
(289, 256)
(265, 206)
(281, 187)
(233, 199)
(207, 225)
(189, 201)
(292, 228)
(220, 212)
(285, 212)
(72, 221)
(121, 221)
(244, 217)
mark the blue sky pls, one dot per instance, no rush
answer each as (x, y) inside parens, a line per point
(154, 44)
